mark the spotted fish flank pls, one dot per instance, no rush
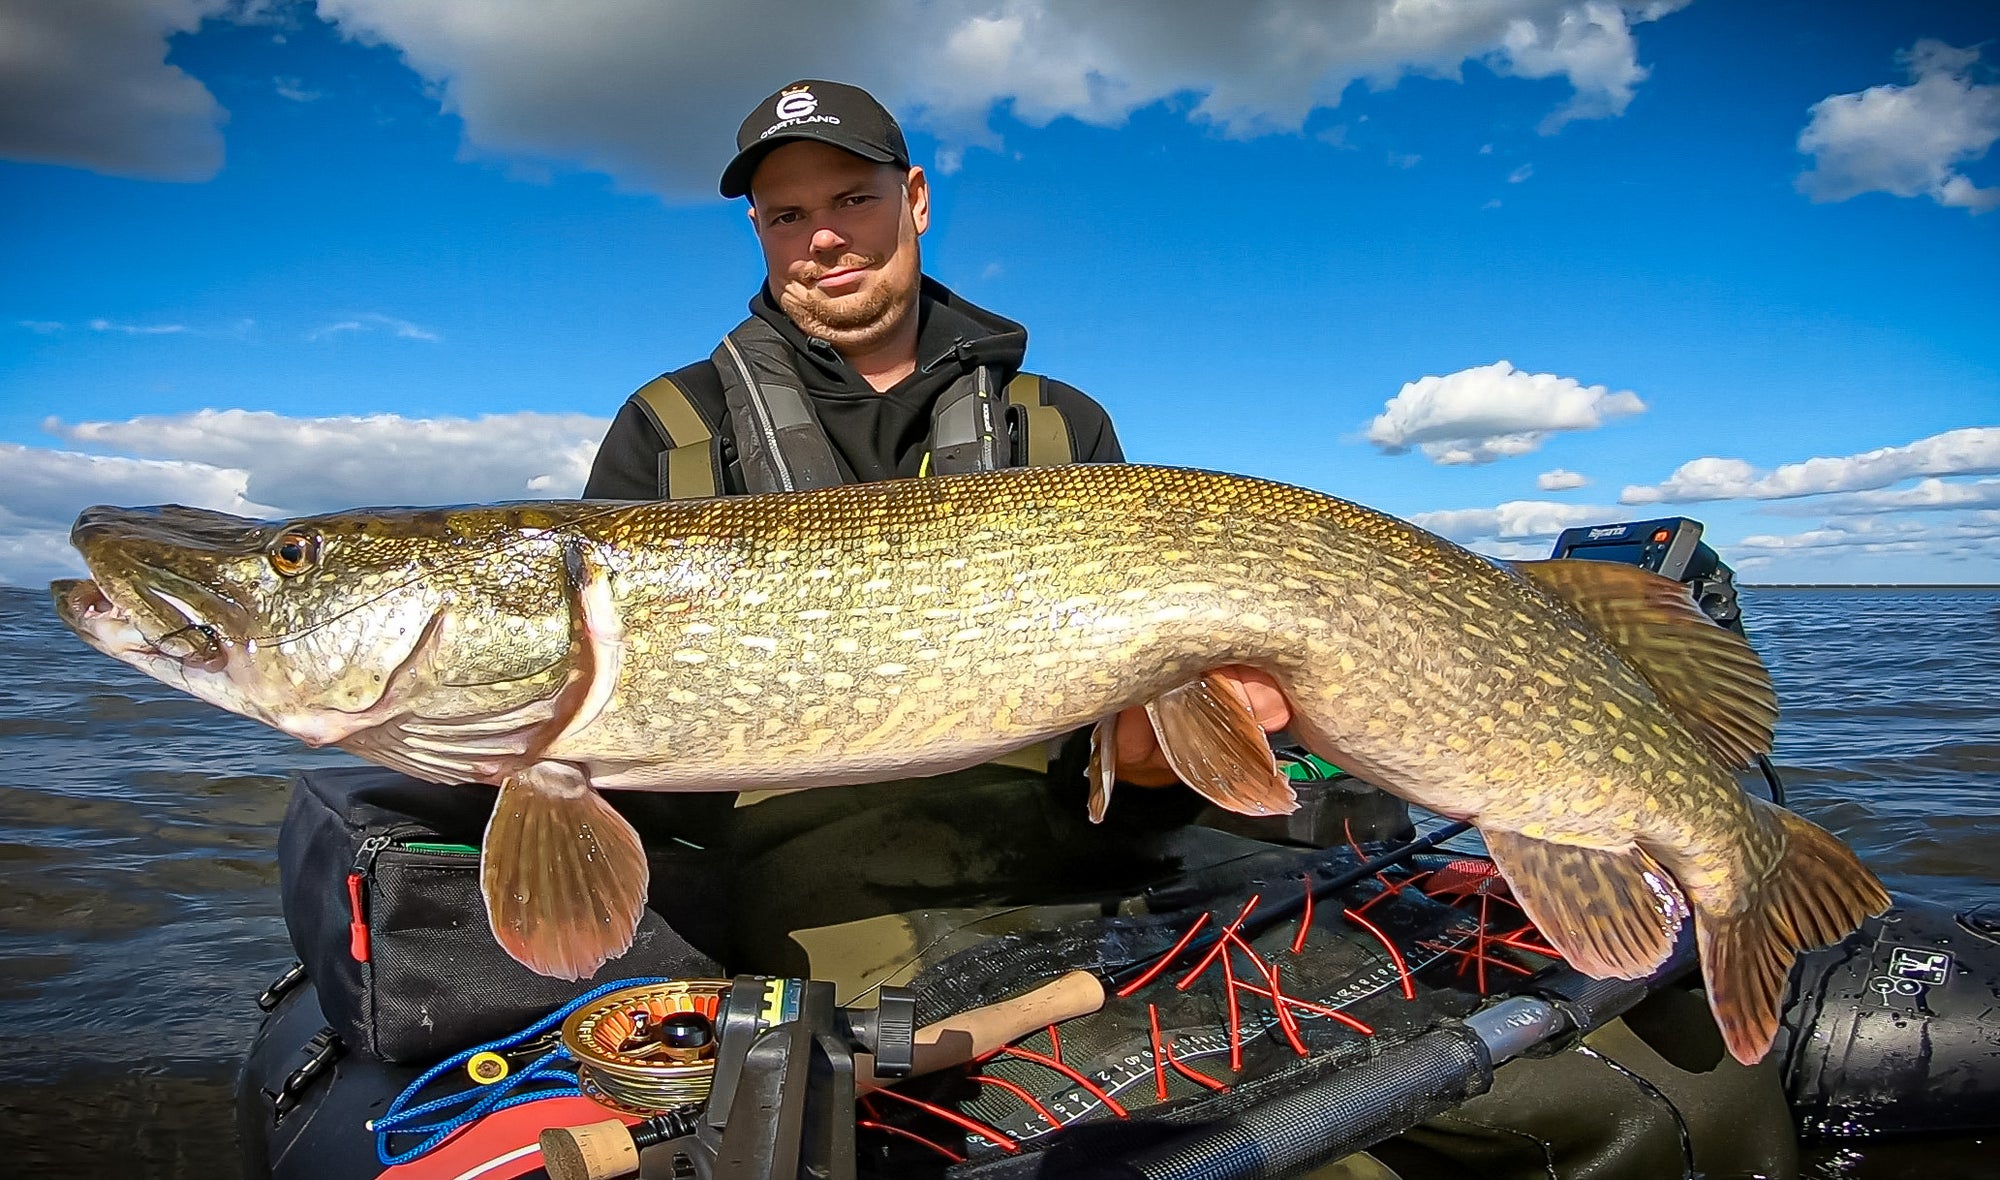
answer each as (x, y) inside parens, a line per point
(1587, 716)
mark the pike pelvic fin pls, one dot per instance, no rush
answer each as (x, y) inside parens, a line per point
(1213, 742)
(563, 874)
(1596, 907)
(1706, 675)
(1103, 774)
(1816, 895)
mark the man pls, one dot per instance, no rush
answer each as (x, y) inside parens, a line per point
(854, 365)
(838, 210)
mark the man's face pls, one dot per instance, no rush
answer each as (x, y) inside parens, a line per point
(840, 240)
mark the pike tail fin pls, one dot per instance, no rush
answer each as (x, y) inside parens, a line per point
(564, 875)
(1816, 895)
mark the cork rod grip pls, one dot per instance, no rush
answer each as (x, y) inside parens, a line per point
(960, 1038)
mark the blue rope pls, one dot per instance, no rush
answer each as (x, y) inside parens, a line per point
(551, 1067)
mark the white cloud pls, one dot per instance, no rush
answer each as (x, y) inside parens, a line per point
(48, 486)
(1973, 450)
(375, 322)
(1968, 537)
(41, 327)
(651, 93)
(1490, 412)
(294, 89)
(1560, 480)
(1520, 174)
(138, 329)
(319, 464)
(1590, 45)
(1907, 140)
(1512, 523)
(1926, 495)
(86, 83)
(256, 463)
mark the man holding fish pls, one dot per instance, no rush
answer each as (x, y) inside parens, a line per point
(868, 341)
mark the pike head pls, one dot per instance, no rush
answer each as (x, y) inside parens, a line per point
(331, 627)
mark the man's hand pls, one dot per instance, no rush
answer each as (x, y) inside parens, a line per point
(1142, 763)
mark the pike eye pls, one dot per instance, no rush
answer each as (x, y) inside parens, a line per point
(295, 553)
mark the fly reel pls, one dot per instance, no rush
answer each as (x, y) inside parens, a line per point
(650, 1048)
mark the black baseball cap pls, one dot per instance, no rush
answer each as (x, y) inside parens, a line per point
(847, 117)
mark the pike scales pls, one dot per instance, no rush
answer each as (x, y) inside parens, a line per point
(1587, 719)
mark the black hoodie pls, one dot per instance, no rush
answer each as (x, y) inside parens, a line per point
(874, 435)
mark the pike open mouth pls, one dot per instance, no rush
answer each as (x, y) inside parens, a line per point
(86, 600)
(105, 624)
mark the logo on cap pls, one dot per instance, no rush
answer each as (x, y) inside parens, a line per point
(796, 104)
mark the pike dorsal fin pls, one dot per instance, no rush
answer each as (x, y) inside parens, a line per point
(1706, 675)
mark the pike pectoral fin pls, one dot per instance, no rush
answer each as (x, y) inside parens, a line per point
(1816, 895)
(1596, 907)
(564, 875)
(1103, 766)
(1709, 676)
(1215, 745)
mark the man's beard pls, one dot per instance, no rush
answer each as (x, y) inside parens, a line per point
(856, 322)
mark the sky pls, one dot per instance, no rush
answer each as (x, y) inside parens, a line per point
(1497, 266)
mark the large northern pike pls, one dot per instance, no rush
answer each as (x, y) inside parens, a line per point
(1587, 716)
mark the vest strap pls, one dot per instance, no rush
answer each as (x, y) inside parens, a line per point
(1043, 426)
(780, 445)
(691, 466)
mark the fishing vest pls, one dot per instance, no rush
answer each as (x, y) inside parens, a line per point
(781, 446)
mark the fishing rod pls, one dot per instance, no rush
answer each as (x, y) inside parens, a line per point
(1291, 906)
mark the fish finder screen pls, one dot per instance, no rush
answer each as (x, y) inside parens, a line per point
(1628, 554)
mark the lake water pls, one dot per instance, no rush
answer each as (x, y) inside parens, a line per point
(139, 880)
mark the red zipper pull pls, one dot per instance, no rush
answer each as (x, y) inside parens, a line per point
(357, 926)
(357, 929)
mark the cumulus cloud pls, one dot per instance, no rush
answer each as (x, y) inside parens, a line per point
(1973, 450)
(1907, 140)
(317, 464)
(1966, 537)
(1503, 530)
(88, 85)
(651, 93)
(261, 464)
(1491, 412)
(1560, 480)
(50, 487)
(375, 322)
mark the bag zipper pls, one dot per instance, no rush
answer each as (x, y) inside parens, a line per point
(357, 878)
(364, 868)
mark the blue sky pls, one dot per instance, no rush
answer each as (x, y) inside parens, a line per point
(1732, 261)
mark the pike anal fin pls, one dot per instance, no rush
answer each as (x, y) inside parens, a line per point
(1816, 895)
(563, 874)
(1213, 742)
(1597, 907)
(1103, 773)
